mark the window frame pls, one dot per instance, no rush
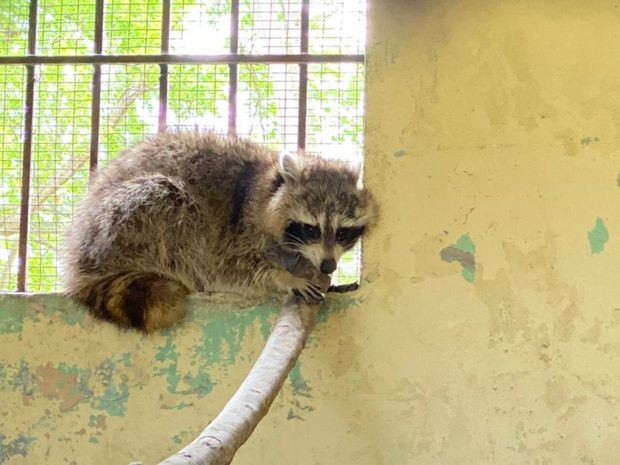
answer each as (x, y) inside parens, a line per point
(31, 61)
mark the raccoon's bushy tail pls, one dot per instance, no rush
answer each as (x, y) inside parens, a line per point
(141, 300)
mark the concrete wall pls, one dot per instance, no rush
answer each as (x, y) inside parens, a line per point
(488, 327)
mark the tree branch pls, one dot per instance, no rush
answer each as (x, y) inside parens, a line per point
(220, 440)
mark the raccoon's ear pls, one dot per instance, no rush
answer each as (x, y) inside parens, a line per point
(356, 171)
(290, 167)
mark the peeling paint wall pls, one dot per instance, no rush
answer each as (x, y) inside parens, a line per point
(78, 391)
(493, 311)
(487, 330)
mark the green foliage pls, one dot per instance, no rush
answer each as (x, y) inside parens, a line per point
(197, 96)
(132, 27)
(62, 27)
(13, 27)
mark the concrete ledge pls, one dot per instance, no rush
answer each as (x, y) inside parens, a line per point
(69, 382)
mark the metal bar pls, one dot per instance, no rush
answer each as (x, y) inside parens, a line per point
(163, 68)
(303, 76)
(24, 208)
(165, 27)
(303, 107)
(305, 25)
(95, 113)
(232, 68)
(99, 27)
(162, 119)
(180, 59)
(96, 91)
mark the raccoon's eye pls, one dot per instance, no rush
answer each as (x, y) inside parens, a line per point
(349, 235)
(302, 231)
(310, 231)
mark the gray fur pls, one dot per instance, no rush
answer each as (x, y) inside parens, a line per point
(191, 211)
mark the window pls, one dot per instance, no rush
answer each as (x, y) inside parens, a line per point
(82, 79)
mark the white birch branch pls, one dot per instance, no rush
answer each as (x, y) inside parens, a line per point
(220, 440)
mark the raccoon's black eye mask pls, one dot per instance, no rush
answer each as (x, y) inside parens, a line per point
(302, 232)
(347, 236)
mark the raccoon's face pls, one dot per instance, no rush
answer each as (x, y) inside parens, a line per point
(319, 209)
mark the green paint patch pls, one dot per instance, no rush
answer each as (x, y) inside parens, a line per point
(200, 384)
(165, 353)
(113, 400)
(223, 334)
(24, 380)
(103, 391)
(265, 324)
(183, 436)
(97, 421)
(334, 305)
(182, 405)
(465, 244)
(462, 251)
(172, 377)
(589, 140)
(71, 385)
(12, 315)
(18, 446)
(598, 236)
(116, 391)
(301, 392)
(221, 344)
(469, 274)
(293, 416)
(70, 312)
(17, 308)
(299, 384)
(400, 153)
(126, 359)
(297, 410)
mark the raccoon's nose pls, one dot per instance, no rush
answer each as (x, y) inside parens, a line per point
(328, 266)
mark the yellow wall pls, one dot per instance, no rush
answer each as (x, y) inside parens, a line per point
(488, 328)
(497, 120)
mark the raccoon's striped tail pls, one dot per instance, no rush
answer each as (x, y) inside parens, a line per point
(141, 300)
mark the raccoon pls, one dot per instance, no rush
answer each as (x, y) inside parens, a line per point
(186, 212)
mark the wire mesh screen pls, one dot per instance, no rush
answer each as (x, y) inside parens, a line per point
(266, 26)
(132, 26)
(335, 110)
(201, 26)
(61, 28)
(103, 74)
(129, 104)
(337, 26)
(14, 27)
(268, 104)
(60, 158)
(198, 97)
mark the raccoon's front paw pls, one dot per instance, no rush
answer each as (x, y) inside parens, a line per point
(312, 288)
(311, 294)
